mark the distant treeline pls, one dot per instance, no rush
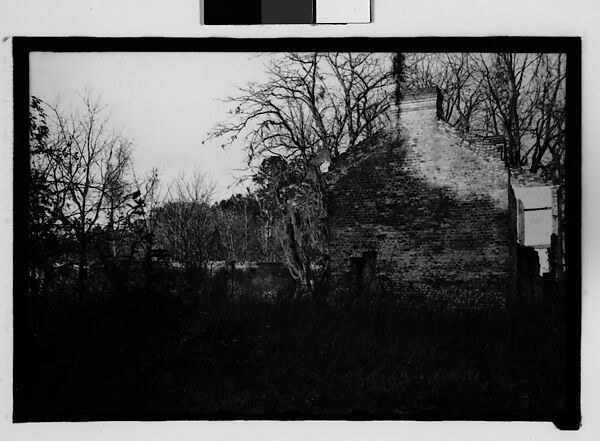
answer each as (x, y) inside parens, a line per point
(89, 213)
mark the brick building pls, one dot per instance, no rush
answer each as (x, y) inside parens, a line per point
(424, 212)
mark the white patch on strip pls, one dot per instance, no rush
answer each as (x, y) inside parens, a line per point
(343, 11)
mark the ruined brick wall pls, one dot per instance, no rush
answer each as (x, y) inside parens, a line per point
(527, 278)
(250, 280)
(512, 293)
(535, 191)
(432, 209)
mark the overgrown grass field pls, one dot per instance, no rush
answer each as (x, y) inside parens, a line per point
(163, 354)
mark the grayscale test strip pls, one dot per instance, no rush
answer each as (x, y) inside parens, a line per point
(240, 12)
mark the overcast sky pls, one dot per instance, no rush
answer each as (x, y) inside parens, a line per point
(165, 102)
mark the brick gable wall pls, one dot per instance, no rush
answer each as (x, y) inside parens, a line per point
(433, 208)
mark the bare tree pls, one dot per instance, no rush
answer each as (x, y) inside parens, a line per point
(508, 91)
(89, 174)
(311, 105)
(311, 108)
(547, 151)
(185, 223)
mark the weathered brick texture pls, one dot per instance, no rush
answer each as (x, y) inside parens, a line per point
(431, 205)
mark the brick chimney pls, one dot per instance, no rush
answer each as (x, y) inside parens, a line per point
(417, 111)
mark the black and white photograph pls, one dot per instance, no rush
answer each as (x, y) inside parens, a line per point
(367, 229)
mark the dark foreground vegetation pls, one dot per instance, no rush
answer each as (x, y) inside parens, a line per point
(149, 351)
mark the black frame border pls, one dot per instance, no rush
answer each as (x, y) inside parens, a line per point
(569, 419)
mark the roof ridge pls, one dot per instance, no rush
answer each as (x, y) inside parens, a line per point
(520, 174)
(490, 147)
(340, 165)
